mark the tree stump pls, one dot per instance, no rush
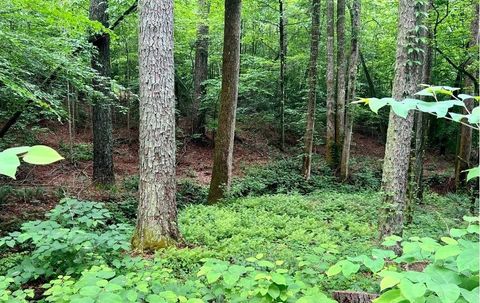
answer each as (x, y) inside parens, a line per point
(353, 297)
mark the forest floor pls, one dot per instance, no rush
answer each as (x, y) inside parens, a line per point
(38, 188)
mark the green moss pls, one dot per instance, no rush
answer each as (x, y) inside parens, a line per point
(151, 240)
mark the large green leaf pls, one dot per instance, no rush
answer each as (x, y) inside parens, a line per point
(411, 291)
(376, 104)
(447, 293)
(402, 108)
(8, 164)
(471, 296)
(391, 296)
(447, 251)
(17, 150)
(474, 117)
(473, 173)
(468, 260)
(42, 155)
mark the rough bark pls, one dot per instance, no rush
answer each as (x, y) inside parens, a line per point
(223, 152)
(282, 55)
(464, 151)
(200, 74)
(330, 140)
(399, 134)
(351, 82)
(157, 210)
(101, 109)
(353, 297)
(312, 88)
(341, 71)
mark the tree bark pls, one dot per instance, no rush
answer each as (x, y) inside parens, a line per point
(399, 134)
(201, 68)
(341, 71)
(330, 140)
(223, 152)
(283, 54)
(462, 161)
(157, 210)
(352, 77)
(101, 109)
(312, 88)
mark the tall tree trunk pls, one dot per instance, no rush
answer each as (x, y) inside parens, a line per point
(399, 134)
(312, 88)
(462, 161)
(223, 152)
(101, 110)
(341, 70)
(157, 209)
(371, 85)
(200, 74)
(352, 77)
(330, 140)
(283, 53)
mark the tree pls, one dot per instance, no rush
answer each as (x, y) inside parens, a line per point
(282, 55)
(200, 67)
(341, 70)
(157, 210)
(352, 76)
(399, 134)
(223, 152)
(330, 141)
(464, 150)
(312, 88)
(101, 109)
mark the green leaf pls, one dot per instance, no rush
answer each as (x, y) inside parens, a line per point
(447, 293)
(457, 233)
(473, 173)
(447, 251)
(471, 296)
(389, 281)
(8, 164)
(274, 291)
(334, 270)
(41, 155)
(391, 296)
(410, 290)
(449, 240)
(465, 96)
(374, 265)
(474, 117)
(17, 150)
(90, 291)
(132, 295)
(376, 104)
(279, 279)
(230, 278)
(402, 108)
(457, 117)
(212, 277)
(470, 219)
(468, 260)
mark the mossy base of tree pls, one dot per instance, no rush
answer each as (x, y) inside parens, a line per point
(150, 240)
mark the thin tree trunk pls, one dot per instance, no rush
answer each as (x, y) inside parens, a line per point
(330, 140)
(352, 77)
(371, 86)
(399, 134)
(283, 53)
(201, 68)
(341, 70)
(462, 161)
(157, 209)
(312, 88)
(223, 152)
(101, 110)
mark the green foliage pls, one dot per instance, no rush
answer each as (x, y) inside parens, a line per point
(74, 236)
(450, 273)
(77, 152)
(38, 155)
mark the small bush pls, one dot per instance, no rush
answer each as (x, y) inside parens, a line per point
(77, 152)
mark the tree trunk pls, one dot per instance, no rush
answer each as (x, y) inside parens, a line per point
(371, 86)
(341, 70)
(352, 77)
(462, 161)
(157, 210)
(101, 110)
(200, 74)
(283, 53)
(312, 88)
(223, 152)
(330, 140)
(399, 134)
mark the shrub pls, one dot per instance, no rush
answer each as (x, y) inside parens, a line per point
(427, 270)
(74, 236)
